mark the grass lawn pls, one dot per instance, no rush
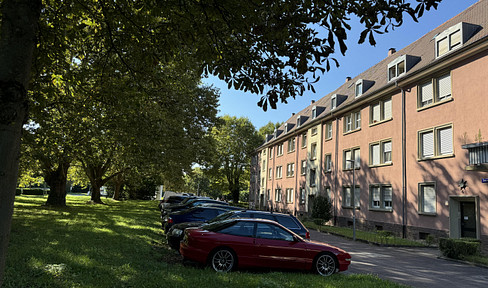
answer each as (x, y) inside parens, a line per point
(370, 237)
(121, 244)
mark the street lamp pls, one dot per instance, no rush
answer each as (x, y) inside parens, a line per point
(353, 196)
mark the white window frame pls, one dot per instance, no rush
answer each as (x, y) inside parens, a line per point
(382, 110)
(347, 197)
(355, 153)
(435, 88)
(270, 173)
(279, 149)
(303, 167)
(289, 195)
(278, 195)
(438, 142)
(328, 130)
(290, 169)
(382, 150)
(291, 145)
(313, 180)
(270, 152)
(314, 131)
(313, 151)
(383, 201)
(303, 195)
(314, 112)
(427, 204)
(328, 163)
(304, 140)
(279, 172)
(352, 122)
(395, 67)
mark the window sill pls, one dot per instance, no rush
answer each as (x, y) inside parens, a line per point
(350, 169)
(277, 156)
(381, 165)
(290, 176)
(380, 122)
(289, 152)
(328, 139)
(427, 214)
(352, 131)
(436, 157)
(435, 104)
(390, 210)
(350, 207)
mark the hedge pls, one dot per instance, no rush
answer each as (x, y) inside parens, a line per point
(33, 191)
(457, 248)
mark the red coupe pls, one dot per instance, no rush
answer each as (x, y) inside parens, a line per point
(242, 242)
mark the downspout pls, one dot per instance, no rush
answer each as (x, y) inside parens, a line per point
(404, 165)
(296, 172)
(336, 170)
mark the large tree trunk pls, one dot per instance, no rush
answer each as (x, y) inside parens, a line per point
(95, 195)
(17, 42)
(57, 182)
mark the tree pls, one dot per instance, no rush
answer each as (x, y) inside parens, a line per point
(268, 129)
(253, 46)
(235, 141)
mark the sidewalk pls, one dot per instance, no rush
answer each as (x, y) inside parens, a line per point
(415, 267)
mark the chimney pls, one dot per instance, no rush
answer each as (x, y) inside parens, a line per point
(313, 101)
(293, 114)
(348, 79)
(391, 51)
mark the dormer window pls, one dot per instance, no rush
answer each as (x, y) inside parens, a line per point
(401, 65)
(314, 112)
(453, 38)
(362, 86)
(298, 121)
(275, 133)
(333, 102)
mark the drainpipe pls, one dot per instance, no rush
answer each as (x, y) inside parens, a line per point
(336, 170)
(404, 165)
(296, 172)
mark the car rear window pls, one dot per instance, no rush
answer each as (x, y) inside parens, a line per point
(288, 222)
(264, 216)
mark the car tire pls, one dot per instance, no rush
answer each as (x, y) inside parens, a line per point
(325, 264)
(223, 260)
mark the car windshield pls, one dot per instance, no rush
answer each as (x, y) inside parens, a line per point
(221, 217)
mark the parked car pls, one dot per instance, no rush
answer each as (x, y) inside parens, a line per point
(172, 200)
(176, 232)
(245, 242)
(189, 204)
(197, 213)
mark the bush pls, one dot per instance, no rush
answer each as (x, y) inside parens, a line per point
(457, 248)
(322, 208)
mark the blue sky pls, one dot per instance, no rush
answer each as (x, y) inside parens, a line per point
(358, 58)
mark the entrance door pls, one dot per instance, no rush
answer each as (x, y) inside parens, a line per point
(468, 219)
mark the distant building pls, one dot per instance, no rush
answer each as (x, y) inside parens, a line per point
(416, 128)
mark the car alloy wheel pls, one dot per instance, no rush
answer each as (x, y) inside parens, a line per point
(223, 260)
(325, 265)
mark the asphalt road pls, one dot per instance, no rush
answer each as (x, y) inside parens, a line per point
(416, 267)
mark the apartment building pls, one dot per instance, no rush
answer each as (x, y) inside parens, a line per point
(411, 131)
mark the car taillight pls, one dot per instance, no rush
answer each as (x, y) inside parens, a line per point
(307, 235)
(170, 220)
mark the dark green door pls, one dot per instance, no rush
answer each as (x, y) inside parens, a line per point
(468, 220)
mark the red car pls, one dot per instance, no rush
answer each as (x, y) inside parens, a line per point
(243, 242)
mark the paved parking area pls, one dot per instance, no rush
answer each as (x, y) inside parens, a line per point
(416, 267)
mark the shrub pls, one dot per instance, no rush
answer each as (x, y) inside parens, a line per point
(457, 248)
(322, 208)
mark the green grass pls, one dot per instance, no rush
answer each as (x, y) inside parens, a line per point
(370, 237)
(121, 245)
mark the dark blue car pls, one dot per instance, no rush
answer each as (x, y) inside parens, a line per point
(200, 214)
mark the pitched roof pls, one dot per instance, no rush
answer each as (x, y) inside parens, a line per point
(424, 48)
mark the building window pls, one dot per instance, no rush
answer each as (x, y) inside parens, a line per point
(348, 197)
(351, 154)
(304, 167)
(313, 151)
(270, 173)
(380, 111)
(278, 195)
(291, 145)
(450, 39)
(264, 165)
(271, 153)
(381, 197)
(304, 140)
(314, 131)
(396, 69)
(298, 122)
(303, 194)
(279, 171)
(333, 102)
(380, 153)
(435, 142)
(435, 90)
(328, 163)
(427, 198)
(359, 89)
(268, 194)
(279, 150)
(328, 131)
(289, 195)
(312, 177)
(478, 153)
(290, 170)
(314, 112)
(352, 121)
